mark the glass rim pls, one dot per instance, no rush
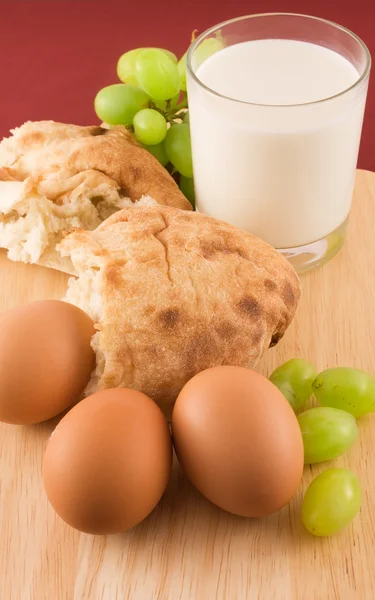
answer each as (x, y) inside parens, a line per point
(223, 24)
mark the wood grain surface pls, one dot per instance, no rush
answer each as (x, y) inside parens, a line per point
(187, 549)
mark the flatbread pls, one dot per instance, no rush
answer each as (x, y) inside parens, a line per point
(56, 177)
(173, 293)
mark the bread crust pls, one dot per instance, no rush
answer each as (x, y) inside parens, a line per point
(178, 292)
(74, 177)
(42, 147)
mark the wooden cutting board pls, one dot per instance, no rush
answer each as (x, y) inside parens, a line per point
(187, 549)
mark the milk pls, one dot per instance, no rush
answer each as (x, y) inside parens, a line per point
(268, 155)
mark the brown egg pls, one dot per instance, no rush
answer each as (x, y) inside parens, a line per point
(108, 462)
(45, 360)
(238, 440)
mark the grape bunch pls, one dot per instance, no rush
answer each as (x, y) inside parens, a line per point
(152, 103)
(328, 431)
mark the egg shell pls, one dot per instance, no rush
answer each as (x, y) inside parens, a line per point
(238, 440)
(45, 360)
(108, 462)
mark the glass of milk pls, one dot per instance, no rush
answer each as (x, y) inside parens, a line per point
(276, 109)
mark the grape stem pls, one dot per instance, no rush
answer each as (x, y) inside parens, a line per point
(165, 113)
(171, 115)
(177, 118)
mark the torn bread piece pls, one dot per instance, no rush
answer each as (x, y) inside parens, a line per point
(173, 293)
(32, 222)
(56, 177)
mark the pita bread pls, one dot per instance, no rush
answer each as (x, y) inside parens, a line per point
(173, 293)
(56, 177)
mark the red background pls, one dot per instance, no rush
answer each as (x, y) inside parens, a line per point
(55, 55)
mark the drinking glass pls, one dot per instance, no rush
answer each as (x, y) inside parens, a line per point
(284, 172)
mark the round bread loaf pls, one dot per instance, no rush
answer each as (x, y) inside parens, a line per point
(175, 292)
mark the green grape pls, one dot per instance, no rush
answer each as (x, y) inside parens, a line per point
(187, 188)
(187, 118)
(118, 104)
(160, 104)
(294, 379)
(181, 66)
(167, 105)
(157, 74)
(158, 151)
(207, 48)
(327, 433)
(346, 388)
(178, 148)
(126, 64)
(168, 53)
(150, 127)
(331, 501)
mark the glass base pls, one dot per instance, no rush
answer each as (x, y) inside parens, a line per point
(315, 254)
